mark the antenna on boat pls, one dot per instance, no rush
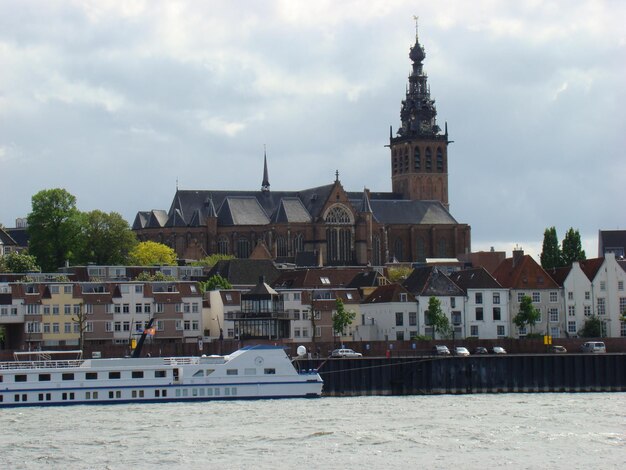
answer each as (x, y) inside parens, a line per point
(142, 338)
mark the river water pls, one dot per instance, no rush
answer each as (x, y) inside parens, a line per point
(525, 431)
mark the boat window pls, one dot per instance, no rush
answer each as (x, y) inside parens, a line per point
(137, 374)
(232, 372)
(209, 371)
(271, 371)
(199, 373)
(67, 376)
(159, 373)
(234, 391)
(20, 378)
(163, 393)
(44, 377)
(1, 398)
(91, 376)
(114, 375)
(250, 371)
(0, 378)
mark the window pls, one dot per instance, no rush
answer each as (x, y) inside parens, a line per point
(126, 308)
(571, 310)
(622, 305)
(55, 328)
(400, 335)
(159, 374)
(46, 327)
(179, 325)
(412, 318)
(496, 298)
(602, 285)
(587, 310)
(554, 315)
(243, 248)
(67, 289)
(520, 296)
(553, 296)
(501, 331)
(76, 309)
(44, 377)
(296, 332)
(137, 374)
(570, 296)
(54, 289)
(91, 376)
(138, 288)
(620, 285)
(296, 296)
(107, 326)
(399, 319)
(474, 330)
(281, 246)
(55, 310)
(67, 376)
(587, 295)
(601, 306)
(138, 308)
(269, 371)
(67, 328)
(479, 314)
(453, 302)
(159, 308)
(232, 371)
(497, 316)
(67, 309)
(117, 308)
(115, 375)
(325, 280)
(571, 326)
(195, 308)
(478, 297)
(536, 297)
(456, 317)
(32, 309)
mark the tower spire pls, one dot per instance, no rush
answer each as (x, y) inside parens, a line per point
(265, 185)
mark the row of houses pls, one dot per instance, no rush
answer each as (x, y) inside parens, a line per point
(297, 305)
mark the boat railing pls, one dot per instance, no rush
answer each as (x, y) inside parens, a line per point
(58, 364)
(179, 361)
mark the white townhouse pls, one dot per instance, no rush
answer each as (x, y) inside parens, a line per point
(609, 296)
(486, 304)
(389, 313)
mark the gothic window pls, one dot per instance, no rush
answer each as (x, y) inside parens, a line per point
(243, 248)
(281, 246)
(397, 249)
(441, 248)
(429, 159)
(339, 245)
(440, 160)
(298, 243)
(376, 251)
(417, 162)
(338, 215)
(420, 249)
(222, 246)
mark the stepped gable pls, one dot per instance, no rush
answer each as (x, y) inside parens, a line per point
(474, 278)
(245, 272)
(430, 281)
(388, 293)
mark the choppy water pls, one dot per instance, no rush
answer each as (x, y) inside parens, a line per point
(547, 431)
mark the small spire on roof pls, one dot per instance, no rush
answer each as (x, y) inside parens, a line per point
(265, 185)
(336, 176)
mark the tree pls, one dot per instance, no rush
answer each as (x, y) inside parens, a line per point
(572, 248)
(436, 318)
(152, 254)
(215, 282)
(81, 320)
(211, 260)
(550, 253)
(17, 262)
(106, 239)
(53, 228)
(145, 276)
(528, 314)
(398, 274)
(342, 317)
(592, 328)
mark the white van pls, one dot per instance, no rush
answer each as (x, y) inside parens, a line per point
(594, 347)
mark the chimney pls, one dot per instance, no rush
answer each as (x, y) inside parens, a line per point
(518, 254)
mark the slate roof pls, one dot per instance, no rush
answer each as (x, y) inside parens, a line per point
(245, 272)
(474, 278)
(526, 274)
(19, 235)
(241, 211)
(611, 239)
(6, 239)
(312, 278)
(388, 293)
(431, 281)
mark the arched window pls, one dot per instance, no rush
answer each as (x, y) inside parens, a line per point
(417, 159)
(376, 251)
(281, 246)
(338, 214)
(222, 246)
(429, 159)
(339, 245)
(440, 160)
(441, 248)
(298, 243)
(243, 248)
(398, 249)
(420, 249)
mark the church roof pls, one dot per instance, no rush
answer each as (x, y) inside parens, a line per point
(241, 210)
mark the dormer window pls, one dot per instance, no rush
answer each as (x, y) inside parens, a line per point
(325, 280)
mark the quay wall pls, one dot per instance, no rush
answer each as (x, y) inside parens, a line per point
(478, 374)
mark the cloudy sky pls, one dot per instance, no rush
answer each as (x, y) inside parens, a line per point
(117, 101)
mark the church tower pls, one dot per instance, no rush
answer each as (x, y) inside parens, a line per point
(419, 152)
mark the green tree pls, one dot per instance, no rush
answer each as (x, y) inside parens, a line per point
(398, 274)
(342, 317)
(53, 228)
(152, 254)
(550, 252)
(528, 314)
(436, 318)
(215, 282)
(572, 248)
(592, 328)
(106, 239)
(18, 262)
(145, 276)
(211, 260)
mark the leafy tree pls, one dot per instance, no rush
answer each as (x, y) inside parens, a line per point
(145, 276)
(550, 252)
(18, 262)
(528, 314)
(436, 318)
(81, 320)
(215, 282)
(152, 254)
(53, 227)
(342, 317)
(211, 260)
(572, 248)
(592, 328)
(398, 274)
(106, 239)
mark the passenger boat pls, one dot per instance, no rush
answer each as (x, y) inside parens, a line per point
(252, 372)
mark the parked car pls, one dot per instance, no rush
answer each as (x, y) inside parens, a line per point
(461, 351)
(593, 347)
(498, 350)
(556, 349)
(441, 350)
(481, 350)
(343, 352)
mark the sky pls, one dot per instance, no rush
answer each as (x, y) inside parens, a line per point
(120, 102)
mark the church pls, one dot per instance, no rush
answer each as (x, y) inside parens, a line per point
(328, 225)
